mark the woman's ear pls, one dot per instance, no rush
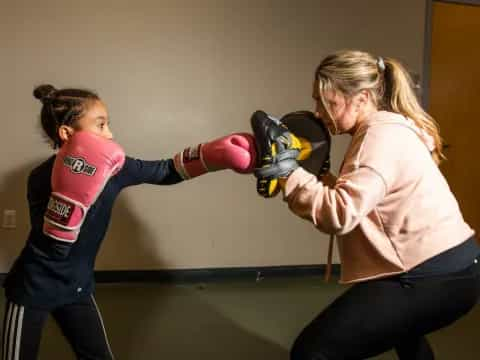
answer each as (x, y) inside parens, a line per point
(65, 132)
(364, 96)
(361, 99)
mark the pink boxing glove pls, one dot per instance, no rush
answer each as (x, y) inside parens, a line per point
(82, 167)
(235, 151)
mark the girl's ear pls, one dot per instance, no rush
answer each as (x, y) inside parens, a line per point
(65, 132)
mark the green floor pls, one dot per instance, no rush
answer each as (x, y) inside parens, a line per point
(227, 321)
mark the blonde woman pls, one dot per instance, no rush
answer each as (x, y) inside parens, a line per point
(403, 243)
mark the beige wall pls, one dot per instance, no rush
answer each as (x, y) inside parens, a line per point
(175, 73)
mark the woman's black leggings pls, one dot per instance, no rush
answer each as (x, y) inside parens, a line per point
(80, 322)
(393, 313)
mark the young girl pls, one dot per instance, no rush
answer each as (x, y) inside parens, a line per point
(402, 240)
(54, 273)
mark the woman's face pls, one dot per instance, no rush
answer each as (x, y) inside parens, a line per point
(345, 112)
(95, 120)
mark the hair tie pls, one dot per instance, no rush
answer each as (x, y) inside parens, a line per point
(381, 64)
(48, 99)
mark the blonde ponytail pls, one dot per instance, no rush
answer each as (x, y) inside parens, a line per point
(400, 97)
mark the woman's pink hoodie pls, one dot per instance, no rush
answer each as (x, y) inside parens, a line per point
(391, 208)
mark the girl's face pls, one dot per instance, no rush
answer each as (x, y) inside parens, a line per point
(95, 120)
(346, 113)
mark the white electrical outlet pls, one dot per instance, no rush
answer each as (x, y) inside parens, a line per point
(9, 219)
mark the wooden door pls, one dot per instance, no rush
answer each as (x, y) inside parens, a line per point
(455, 99)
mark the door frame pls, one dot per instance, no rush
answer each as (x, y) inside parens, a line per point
(427, 48)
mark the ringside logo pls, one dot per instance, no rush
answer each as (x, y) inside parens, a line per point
(191, 153)
(59, 210)
(79, 166)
